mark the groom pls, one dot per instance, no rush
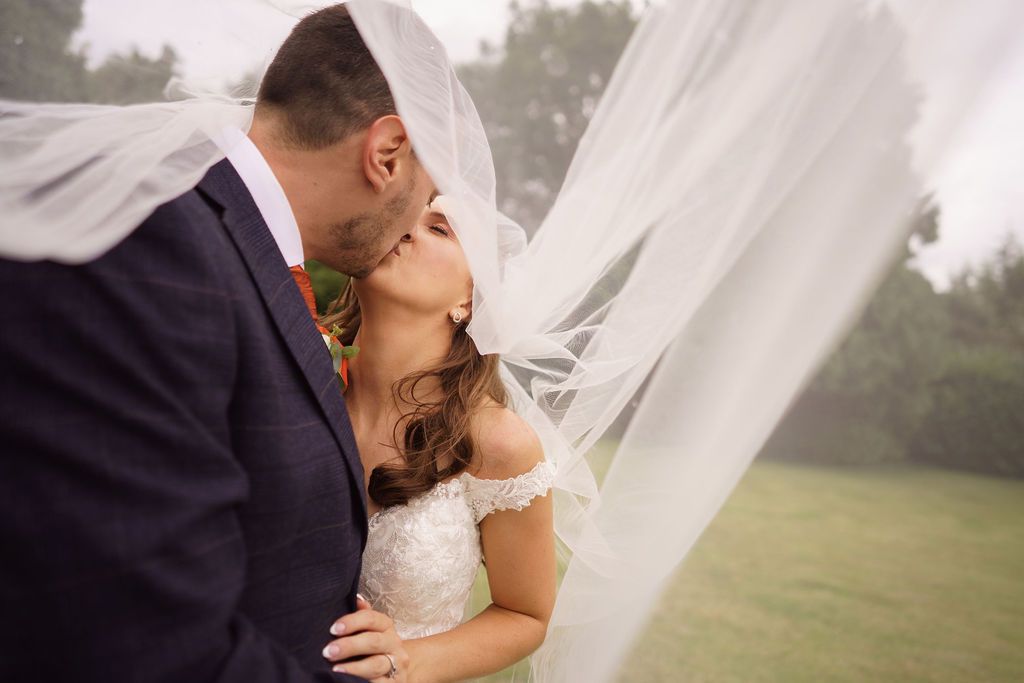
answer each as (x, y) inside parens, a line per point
(180, 490)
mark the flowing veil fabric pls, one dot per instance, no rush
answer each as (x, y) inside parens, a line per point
(749, 175)
(77, 178)
(747, 178)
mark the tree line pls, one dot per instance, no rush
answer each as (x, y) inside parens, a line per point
(38, 63)
(925, 376)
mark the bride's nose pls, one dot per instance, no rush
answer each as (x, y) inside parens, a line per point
(413, 233)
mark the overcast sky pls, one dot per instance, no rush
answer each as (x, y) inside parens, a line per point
(225, 37)
(982, 193)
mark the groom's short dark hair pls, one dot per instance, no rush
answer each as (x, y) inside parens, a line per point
(324, 83)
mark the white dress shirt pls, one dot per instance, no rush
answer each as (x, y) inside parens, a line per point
(268, 194)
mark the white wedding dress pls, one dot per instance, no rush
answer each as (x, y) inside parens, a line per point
(421, 558)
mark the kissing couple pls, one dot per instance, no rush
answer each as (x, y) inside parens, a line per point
(206, 480)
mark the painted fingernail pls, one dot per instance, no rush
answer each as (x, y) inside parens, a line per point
(338, 669)
(337, 629)
(360, 596)
(330, 651)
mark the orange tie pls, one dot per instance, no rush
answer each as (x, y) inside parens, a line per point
(306, 287)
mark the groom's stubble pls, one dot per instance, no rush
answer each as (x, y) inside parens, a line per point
(364, 240)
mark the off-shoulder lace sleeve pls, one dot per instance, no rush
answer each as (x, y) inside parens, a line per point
(490, 495)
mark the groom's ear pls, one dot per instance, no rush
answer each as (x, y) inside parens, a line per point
(387, 152)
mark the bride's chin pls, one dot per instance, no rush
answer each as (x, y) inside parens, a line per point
(375, 277)
(385, 265)
(376, 286)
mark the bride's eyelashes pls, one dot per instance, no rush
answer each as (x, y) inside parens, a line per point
(440, 229)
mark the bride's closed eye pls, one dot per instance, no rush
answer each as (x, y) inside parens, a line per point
(440, 229)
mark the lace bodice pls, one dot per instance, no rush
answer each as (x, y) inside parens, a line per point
(421, 558)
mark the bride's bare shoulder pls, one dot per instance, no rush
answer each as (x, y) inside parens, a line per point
(506, 446)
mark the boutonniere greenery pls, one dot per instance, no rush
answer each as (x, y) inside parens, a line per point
(340, 354)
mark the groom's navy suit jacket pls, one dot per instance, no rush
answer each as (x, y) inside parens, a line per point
(180, 494)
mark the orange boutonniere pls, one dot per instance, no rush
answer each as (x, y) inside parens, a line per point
(340, 353)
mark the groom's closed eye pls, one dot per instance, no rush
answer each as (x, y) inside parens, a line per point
(433, 196)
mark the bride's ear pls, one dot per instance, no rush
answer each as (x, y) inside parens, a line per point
(387, 152)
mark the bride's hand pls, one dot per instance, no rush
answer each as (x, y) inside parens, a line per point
(371, 636)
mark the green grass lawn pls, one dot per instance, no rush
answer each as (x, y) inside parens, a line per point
(847, 574)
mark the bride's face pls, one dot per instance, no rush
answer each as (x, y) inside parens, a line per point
(426, 273)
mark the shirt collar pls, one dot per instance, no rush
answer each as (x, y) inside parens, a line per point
(268, 194)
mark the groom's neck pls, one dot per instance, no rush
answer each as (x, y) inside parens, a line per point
(312, 181)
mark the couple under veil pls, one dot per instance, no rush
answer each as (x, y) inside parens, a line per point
(204, 479)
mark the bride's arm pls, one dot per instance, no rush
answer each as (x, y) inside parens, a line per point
(519, 548)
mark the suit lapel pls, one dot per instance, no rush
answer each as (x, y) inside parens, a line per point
(263, 258)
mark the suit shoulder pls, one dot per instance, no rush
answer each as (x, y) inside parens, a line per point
(181, 239)
(187, 218)
(187, 213)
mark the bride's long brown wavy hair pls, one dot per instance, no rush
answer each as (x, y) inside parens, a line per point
(438, 442)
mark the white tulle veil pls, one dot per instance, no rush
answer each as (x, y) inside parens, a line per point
(746, 180)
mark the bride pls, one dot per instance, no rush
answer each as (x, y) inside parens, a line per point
(454, 476)
(742, 186)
